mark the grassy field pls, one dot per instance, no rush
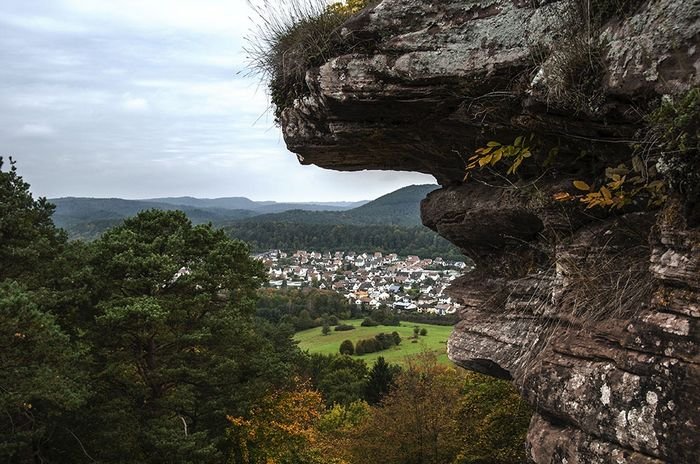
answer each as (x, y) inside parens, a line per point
(315, 342)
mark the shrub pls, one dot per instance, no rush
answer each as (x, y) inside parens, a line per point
(424, 331)
(383, 341)
(347, 348)
(371, 345)
(292, 37)
(344, 327)
(379, 342)
(369, 322)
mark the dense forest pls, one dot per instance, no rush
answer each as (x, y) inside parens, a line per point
(390, 224)
(290, 236)
(147, 346)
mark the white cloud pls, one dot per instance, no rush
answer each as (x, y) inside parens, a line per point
(44, 24)
(135, 104)
(36, 130)
(219, 16)
(223, 97)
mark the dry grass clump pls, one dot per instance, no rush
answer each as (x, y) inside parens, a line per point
(291, 37)
(572, 72)
(605, 283)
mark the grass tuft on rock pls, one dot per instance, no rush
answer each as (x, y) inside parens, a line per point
(293, 36)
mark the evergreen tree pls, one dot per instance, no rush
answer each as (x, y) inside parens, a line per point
(40, 379)
(380, 380)
(175, 340)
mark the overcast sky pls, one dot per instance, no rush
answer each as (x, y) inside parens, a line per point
(147, 98)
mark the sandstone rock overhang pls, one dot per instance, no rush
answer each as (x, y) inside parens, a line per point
(433, 80)
(594, 316)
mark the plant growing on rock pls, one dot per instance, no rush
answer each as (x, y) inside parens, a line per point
(495, 152)
(622, 187)
(571, 72)
(293, 36)
(666, 159)
(676, 133)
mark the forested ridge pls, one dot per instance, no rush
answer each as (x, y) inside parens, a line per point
(148, 345)
(389, 224)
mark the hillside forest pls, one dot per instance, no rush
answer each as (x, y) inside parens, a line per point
(390, 223)
(147, 345)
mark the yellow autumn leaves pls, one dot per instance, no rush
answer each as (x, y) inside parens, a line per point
(495, 152)
(622, 187)
(281, 428)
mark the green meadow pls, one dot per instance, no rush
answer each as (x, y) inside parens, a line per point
(313, 341)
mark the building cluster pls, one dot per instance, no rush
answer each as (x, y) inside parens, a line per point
(372, 279)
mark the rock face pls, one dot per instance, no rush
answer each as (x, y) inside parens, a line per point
(594, 316)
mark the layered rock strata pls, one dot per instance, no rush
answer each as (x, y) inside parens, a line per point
(594, 316)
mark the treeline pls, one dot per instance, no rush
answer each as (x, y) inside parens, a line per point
(304, 308)
(428, 318)
(290, 236)
(308, 308)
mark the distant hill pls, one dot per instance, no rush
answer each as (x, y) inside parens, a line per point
(257, 206)
(87, 218)
(391, 223)
(401, 207)
(290, 236)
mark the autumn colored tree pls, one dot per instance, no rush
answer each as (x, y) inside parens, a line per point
(437, 414)
(335, 430)
(495, 419)
(280, 428)
(416, 423)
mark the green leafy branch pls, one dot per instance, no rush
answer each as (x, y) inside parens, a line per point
(495, 152)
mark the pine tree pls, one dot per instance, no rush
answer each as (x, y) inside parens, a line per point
(381, 379)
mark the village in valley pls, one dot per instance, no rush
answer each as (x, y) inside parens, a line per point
(375, 280)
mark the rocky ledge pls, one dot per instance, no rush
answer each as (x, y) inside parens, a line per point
(593, 314)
